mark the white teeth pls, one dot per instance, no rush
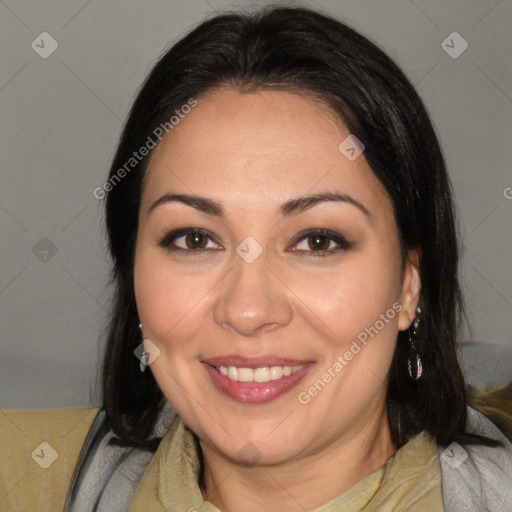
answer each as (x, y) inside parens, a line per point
(233, 373)
(264, 374)
(244, 374)
(276, 372)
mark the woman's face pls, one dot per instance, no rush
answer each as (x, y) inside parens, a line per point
(274, 343)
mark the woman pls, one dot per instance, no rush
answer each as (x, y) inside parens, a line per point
(283, 235)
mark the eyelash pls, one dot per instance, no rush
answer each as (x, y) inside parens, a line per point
(343, 245)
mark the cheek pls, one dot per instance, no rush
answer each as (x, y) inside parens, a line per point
(168, 301)
(355, 294)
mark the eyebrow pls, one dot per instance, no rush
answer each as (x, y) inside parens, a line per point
(291, 207)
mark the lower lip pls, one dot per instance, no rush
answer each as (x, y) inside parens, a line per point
(255, 392)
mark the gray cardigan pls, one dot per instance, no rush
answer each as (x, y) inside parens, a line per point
(473, 478)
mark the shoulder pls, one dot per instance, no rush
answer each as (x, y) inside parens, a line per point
(39, 450)
(40, 419)
(477, 475)
(496, 404)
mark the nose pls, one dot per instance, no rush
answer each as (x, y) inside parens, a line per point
(252, 299)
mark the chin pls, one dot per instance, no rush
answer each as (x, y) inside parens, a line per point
(258, 449)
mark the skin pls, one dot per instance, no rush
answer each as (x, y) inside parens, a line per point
(252, 152)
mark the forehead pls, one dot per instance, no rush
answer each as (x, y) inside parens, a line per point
(264, 145)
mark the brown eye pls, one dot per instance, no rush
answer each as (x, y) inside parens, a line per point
(196, 241)
(320, 242)
(189, 239)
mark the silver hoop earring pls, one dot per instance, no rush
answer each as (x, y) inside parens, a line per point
(416, 371)
(143, 358)
(143, 362)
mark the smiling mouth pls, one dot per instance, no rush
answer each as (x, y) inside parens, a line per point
(261, 375)
(255, 380)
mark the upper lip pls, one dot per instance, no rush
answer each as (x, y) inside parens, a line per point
(253, 361)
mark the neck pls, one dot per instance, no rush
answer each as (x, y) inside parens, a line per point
(307, 483)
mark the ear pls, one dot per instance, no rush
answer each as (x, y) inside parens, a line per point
(411, 288)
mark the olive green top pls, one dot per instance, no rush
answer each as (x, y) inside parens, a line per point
(409, 481)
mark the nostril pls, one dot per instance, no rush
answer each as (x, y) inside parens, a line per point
(269, 327)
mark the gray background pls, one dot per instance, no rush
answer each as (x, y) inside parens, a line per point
(61, 118)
